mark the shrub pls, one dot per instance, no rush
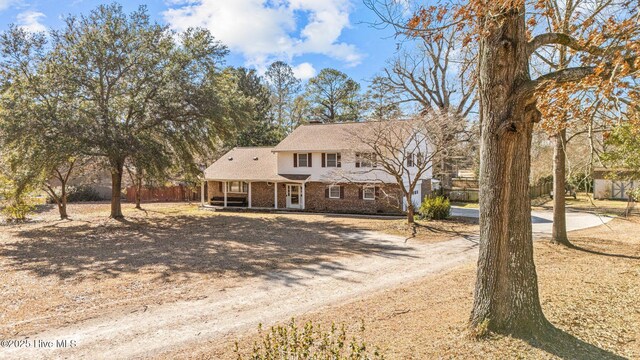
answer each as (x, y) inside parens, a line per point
(309, 342)
(436, 208)
(17, 211)
(83, 193)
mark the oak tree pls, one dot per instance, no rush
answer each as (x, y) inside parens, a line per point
(506, 298)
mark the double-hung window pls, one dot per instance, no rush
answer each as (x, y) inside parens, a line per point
(369, 193)
(366, 160)
(334, 191)
(332, 159)
(303, 160)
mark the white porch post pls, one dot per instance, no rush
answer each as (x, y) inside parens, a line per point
(275, 196)
(224, 190)
(202, 193)
(249, 194)
(304, 197)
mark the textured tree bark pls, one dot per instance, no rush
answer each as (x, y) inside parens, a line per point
(62, 203)
(410, 212)
(506, 296)
(559, 228)
(116, 189)
(138, 192)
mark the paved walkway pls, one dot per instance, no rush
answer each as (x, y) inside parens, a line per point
(268, 300)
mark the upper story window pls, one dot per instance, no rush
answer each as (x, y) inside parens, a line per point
(415, 159)
(302, 160)
(366, 160)
(331, 160)
(237, 187)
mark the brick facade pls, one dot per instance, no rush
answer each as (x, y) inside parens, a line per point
(388, 197)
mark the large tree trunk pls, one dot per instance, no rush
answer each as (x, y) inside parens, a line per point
(559, 229)
(116, 189)
(506, 295)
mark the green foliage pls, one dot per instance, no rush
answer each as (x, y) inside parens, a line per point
(436, 208)
(310, 342)
(634, 193)
(117, 87)
(14, 200)
(381, 102)
(83, 193)
(260, 129)
(283, 86)
(333, 97)
(623, 149)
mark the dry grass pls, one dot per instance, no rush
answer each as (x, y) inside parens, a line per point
(58, 272)
(586, 203)
(591, 293)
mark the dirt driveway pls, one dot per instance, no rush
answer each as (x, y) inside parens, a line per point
(271, 268)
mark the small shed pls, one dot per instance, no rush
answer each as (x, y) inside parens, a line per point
(613, 183)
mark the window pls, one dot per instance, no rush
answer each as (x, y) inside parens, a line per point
(365, 160)
(332, 160)
(334, 191)
(419, 159)
(410, 160)
(304, 160)
(237, 187)
(369, 193)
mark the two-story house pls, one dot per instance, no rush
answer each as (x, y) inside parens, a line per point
(318, 167)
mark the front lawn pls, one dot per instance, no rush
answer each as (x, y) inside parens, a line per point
(59, 272)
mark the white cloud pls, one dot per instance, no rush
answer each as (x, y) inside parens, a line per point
(265, 30)
(30, 21)
(304, 71)
(5, 4)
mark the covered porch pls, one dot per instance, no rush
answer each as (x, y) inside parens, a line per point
(285, 193)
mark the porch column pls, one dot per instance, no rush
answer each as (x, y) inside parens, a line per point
(304, 197)
(202, 193)
(224, 190)
(275, 191)
(249, 194)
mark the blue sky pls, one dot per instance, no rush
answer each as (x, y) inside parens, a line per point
(308, 34)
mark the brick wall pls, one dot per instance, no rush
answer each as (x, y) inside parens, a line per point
(387, 200)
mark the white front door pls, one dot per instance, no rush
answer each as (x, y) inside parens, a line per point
(294, 197)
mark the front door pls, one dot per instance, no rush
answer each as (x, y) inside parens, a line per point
(294, 200)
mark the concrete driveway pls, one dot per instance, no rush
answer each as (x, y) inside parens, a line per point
(542, 220)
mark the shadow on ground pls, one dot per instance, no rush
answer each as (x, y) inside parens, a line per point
(566, 346)
(184, 245)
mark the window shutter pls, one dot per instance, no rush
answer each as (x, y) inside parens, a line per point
(323, 160)
(220, 183)
(338, 160)
(341, 192)
(309, 157)
(357, 160)
(375, 160)
(360, 193)
(377, 192)
(295, 160)
(326, 192)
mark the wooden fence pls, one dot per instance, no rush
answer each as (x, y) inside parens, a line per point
(472, 195)
(164, 194)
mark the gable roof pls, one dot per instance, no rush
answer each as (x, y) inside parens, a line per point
(323, 137)
(248, 164)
